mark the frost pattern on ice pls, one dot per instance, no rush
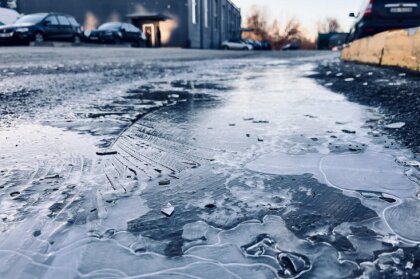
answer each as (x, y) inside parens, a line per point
(404, 219)
(368, 172)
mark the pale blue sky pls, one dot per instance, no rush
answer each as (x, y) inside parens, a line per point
(307, 11)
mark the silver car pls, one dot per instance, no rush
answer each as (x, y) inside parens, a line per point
(236, 45)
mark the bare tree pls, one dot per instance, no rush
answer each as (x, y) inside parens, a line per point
(284, 34)
(329, 25)
(257, 21)
(292, 29)
(277, 33)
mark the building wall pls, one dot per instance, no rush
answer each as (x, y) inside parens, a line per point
(205, 24)
(231, 21)
(215, 28)
(215, 21)
(194, 23)
(200, 32)
(89, 13)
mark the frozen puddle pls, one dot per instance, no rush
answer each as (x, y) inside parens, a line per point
(368, 171)
(343, 208)
(371, 174)
(404, 219)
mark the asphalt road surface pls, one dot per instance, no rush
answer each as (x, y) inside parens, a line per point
(200, 164)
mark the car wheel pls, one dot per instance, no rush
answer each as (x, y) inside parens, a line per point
(117, 40)
(225, 47)
(77, 40)
(39, 38)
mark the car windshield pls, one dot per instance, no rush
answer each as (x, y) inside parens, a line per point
(110, 26)
(32, 19)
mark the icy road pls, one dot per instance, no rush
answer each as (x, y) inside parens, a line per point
(123, 163)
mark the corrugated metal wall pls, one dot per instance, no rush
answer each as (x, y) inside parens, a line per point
(222, 22)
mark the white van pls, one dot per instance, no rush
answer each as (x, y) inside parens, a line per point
(8, 16)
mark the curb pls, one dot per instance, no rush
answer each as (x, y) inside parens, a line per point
(399, 48)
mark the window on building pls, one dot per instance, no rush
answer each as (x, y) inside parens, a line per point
(194, 10)
(206, 13)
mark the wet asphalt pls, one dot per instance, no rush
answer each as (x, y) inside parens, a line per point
(195, 164)
(394, 91)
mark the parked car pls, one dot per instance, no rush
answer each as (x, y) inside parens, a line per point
(378, 16)
(236, 45)
(266, 45)
(291, 46)
(337, 41)
(117, 33)
(256, 45)
(42, 27)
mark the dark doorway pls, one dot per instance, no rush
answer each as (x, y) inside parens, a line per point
(149, 24)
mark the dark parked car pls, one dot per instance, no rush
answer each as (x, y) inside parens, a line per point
(116, 33)
(266, 45)
(42, 27)
(378, 16)
(337, 40)
(255, 44)
(291, 46)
